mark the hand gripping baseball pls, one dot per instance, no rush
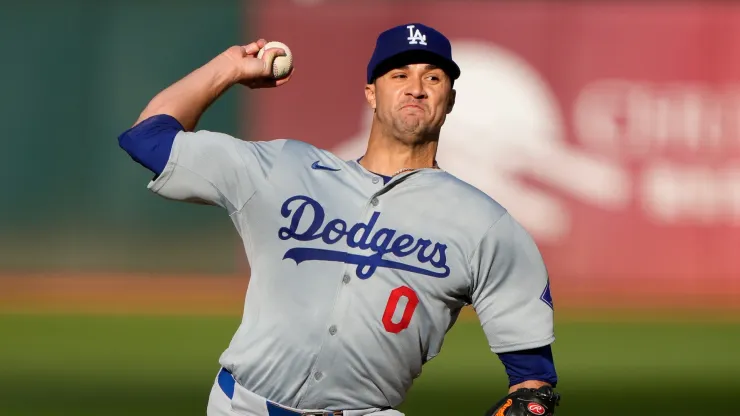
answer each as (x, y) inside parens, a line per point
(527, 402)
(252, 71)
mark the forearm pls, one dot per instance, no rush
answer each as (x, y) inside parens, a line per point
(532, 368)
(187, 99)
(530, 384)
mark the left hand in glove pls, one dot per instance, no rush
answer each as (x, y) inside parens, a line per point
(527, 402)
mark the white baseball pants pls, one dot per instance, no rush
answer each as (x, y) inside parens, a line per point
(245, 403)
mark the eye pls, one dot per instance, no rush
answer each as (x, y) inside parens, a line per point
(399, 75)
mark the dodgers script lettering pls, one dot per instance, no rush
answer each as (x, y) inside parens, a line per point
(307, 223)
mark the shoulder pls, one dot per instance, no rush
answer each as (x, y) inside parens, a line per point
(297, 151)
(296, 146)
(474, 202)
(482, 217)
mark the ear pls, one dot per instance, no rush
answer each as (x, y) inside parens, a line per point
(451, 101)
(370, 95)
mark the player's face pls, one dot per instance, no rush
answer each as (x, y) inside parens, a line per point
(412, 102)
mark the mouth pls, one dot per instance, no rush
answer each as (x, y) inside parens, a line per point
(412, 106)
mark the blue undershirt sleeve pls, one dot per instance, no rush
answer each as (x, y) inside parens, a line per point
(534, 364)
(149, 143)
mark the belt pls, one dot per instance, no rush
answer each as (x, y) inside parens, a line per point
(226, 382)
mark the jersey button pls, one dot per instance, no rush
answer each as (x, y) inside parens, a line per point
(318, 375)
(345, 279)
(376, 180)
(374, 201)
(333, 329)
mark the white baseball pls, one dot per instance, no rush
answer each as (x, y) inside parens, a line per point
(282, 65)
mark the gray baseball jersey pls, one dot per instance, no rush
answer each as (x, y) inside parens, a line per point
(355, 282)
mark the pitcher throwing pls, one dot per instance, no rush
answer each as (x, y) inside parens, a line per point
(359, 267)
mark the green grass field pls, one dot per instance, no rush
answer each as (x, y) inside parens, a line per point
(136, 365)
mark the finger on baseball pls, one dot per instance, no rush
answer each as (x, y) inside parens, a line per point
(251, 49)
(269, 58)
(285, 79)
(272, 53)
(268, 82)
(254, 47)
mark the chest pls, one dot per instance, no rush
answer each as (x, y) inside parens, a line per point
(327, 225)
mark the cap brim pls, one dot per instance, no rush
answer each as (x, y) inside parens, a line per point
(416, 57)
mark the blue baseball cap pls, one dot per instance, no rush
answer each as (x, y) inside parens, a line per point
(411, 43)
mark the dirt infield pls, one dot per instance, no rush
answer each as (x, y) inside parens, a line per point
(122, 293)
(224, 295)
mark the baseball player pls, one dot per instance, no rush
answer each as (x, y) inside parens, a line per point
(359, 267)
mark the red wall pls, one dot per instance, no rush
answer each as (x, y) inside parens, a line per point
(611, 131)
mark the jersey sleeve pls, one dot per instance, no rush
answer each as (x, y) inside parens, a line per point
(149, 143)
(216, 169)
(532, 364)
(511, 290)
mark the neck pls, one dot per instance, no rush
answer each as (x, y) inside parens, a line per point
(386, 155)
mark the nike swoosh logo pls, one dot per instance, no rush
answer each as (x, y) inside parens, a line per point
(316, 166)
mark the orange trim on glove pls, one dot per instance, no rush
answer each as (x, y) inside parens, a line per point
(503, 408)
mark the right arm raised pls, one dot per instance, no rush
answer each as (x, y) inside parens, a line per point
(204, 167)
(187, 99)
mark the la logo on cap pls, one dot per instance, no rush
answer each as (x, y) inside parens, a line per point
(415, 37)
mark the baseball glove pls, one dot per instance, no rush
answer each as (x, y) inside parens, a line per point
(527, 402)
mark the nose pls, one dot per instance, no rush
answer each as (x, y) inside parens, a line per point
(415, 88)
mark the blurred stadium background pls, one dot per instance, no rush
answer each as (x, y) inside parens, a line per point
(611, 130)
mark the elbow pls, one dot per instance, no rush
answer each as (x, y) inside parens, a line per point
(132, 144)
(150, 142)
(124, 141)
(127, 138)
